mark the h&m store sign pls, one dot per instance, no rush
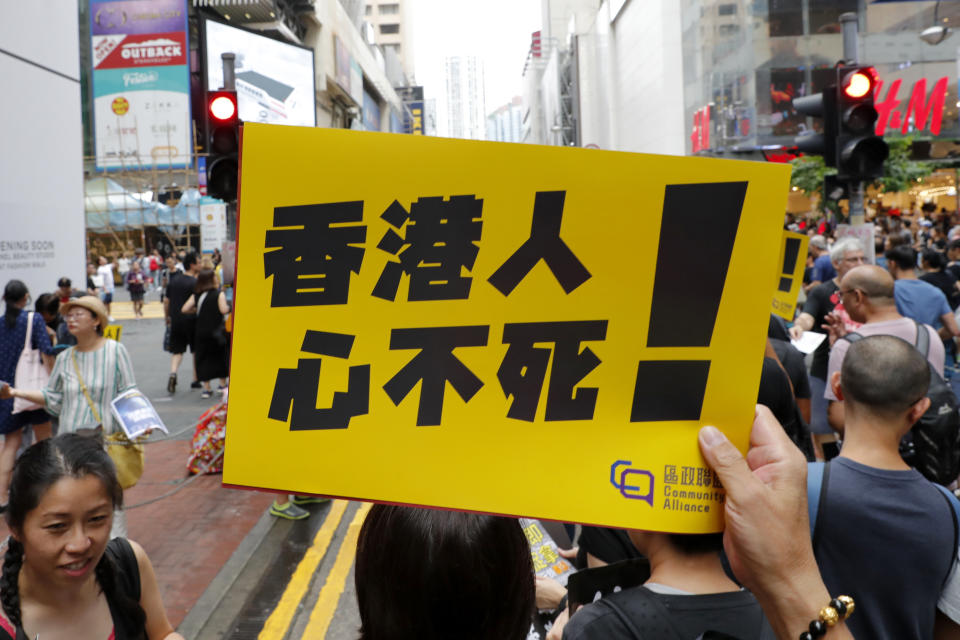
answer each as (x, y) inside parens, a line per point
(922, 110)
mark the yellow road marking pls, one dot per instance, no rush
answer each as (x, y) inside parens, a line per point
(322, 614)
(279, 621)
(124, 310)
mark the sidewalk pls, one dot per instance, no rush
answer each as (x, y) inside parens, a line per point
(191, 534)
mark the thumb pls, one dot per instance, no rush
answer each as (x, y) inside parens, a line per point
(725, 460)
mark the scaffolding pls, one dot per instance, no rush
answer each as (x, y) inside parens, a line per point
(138, 206)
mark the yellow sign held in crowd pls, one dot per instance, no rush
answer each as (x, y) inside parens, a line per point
(113, 331)
(503, 328)
(793, 260)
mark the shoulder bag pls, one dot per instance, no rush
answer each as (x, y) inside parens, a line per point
(127, 455)
(30, 372)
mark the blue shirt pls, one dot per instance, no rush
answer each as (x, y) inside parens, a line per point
(897, 520)
(823, 269)
(921, 301)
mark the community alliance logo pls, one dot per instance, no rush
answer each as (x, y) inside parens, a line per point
(623, 474)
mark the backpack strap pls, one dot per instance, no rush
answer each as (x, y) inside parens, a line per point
(128, 571)
(818, 476)
(649, 608)
(955, 510)
(814, 482)
(923, 339)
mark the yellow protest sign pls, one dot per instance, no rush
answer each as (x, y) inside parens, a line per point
(504, 328)
(113, 331)
(793, 259)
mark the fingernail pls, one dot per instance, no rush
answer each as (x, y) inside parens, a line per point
(711, 436)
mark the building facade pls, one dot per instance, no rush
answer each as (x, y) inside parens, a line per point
(466, 108)
(505, 124)
(719, 76)
(391, 29)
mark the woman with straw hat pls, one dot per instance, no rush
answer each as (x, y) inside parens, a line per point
(87, 376)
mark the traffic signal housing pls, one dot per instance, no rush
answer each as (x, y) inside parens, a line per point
(859, 151)
(823, 106)
(223, 144)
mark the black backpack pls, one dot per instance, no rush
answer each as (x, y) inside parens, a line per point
(932, 446)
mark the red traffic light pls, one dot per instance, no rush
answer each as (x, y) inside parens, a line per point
(858, 83)
(223, 107)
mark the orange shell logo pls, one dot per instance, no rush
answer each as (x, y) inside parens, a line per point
(120, 106)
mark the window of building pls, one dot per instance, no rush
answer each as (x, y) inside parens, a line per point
(786, 16)
(389, 28)
(368, 10)
(728, 29)
(727, 10)
(393, 47)
(388, 9)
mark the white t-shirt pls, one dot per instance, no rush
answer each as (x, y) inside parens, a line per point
(105, 271)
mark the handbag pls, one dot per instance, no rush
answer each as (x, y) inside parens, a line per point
(128, 456)
(30, 372)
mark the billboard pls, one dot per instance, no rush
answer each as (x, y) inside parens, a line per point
(275, 80)
(141, 83)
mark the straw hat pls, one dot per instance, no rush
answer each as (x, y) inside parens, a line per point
(90, 303)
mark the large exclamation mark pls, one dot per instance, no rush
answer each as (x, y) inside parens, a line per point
(697, 235)
(790, 251)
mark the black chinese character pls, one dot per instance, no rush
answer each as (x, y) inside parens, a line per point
(440, 242)
(313, 256)
(524, 368)
(299, 386)
(544, 244)
(435, 365)
(688, 476)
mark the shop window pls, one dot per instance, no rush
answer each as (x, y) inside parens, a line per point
(785, 18)
(389, 28)
(825, 14)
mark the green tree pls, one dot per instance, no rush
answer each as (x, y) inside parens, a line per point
(900, 172)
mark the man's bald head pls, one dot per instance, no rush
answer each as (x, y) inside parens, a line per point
(875, 283)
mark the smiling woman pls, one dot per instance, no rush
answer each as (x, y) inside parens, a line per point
(62, 575)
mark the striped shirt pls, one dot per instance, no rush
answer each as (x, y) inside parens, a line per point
(106, 371)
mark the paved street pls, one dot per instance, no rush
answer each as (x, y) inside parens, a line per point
(227, 569)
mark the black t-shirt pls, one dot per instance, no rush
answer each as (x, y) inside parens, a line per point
(792, 360)
(820, 301)
(946, 282)
(179, 290)
(736, 614)
(775, 394)
(954, 268)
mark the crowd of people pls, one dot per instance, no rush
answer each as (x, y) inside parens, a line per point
(68, 564)
(834, 528)
(834, 525)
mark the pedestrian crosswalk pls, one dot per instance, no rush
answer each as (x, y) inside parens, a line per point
(123, 310)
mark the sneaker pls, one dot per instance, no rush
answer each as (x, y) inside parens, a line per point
(172, 383)
(302, 500)
(206, 394)
(289, 511)
(196, 384)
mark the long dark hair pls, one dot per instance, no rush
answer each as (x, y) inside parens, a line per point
(206, 281)
(14, 292)
(422, 573)
(68, 455)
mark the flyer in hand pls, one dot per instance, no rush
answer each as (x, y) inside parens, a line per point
(133, 411)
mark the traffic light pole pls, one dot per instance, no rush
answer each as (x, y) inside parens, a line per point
(851, 54)
(229, 75)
